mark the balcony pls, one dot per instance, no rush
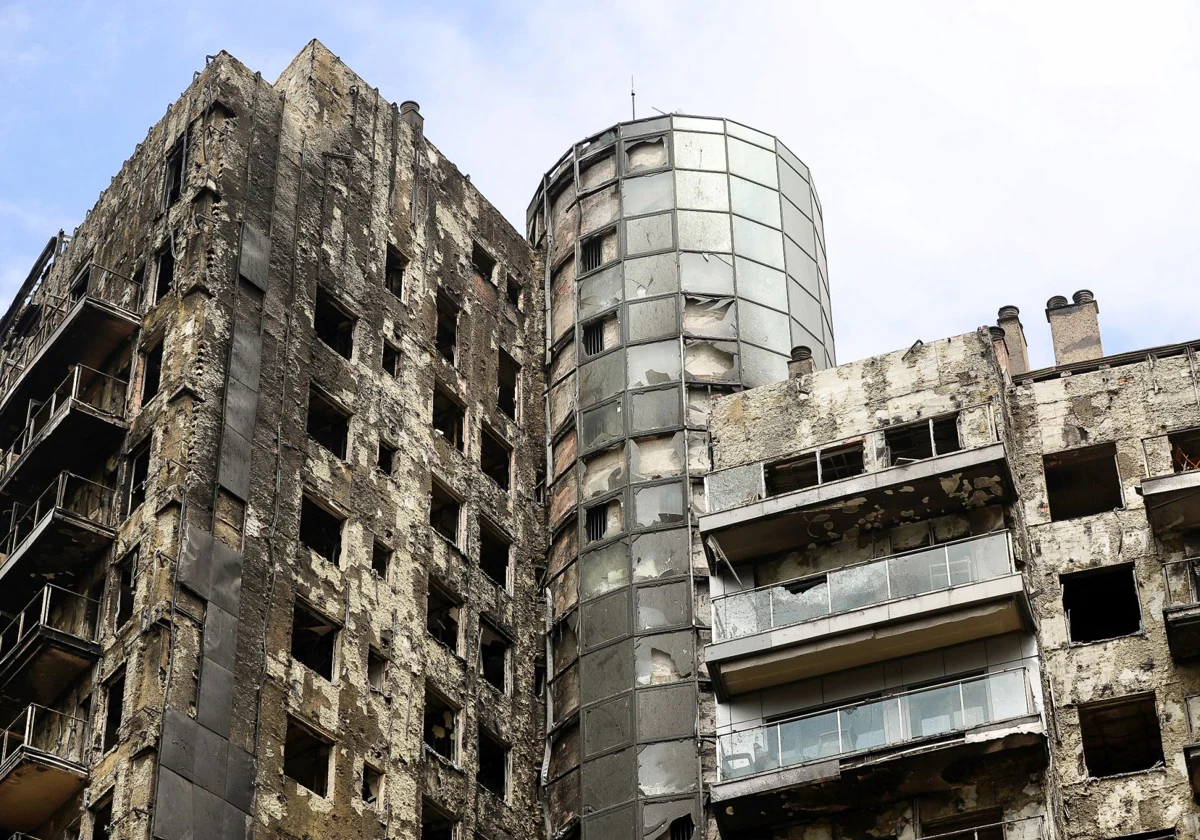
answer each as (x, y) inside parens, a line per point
(869, 612)
(82, 421)
(1191, 750)
(1171, 488)
(42, 755)
(1181, 607)
(46, 647)
(71, 519)
(845, 754)
(856, 484)
(1028, 828)
(99, 313)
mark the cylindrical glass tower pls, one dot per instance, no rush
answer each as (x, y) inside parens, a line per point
(685, 258)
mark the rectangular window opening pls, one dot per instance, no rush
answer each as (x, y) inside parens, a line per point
(372, 786)
(377, 668)
(391, 360)
(386, 459)
(164, 274)
(441, 616)
(446, 336)
(1101, 604)
(314, 640)
(449, 418)
(321, 530)
(333, 324)
(514, 292)
(492, 774)
(814, 468)
(152, 362)
(102, 819)
(444, 508)
(328, 423)
(494, 550)
(126, 578)
(436, 824)
(593, 337)
(306, 757)
(1121, 736)
(483, 265)
(508, 375)
(603, 520)
(1082, 482)
(918, 441)
(381, 559)
(174, 174)
(114, 706)
(394, 271)
(1185, 450)
(137, 476)
(493, 656)
(441, 725)
(495, 457)
(591, 253)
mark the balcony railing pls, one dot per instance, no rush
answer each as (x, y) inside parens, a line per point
(875, 582)
(876, 724)
(53, 608)
(40, 730)
(95, 282)
(1182, 579)
(69, 494)
(1027, 828)
(83, 386)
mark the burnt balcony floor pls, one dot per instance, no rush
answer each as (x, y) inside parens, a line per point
(76, 435)
(1173, 501)
(41, 767)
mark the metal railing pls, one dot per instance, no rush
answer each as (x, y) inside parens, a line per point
(46, 731)
(1182, 582)
(941, 567)
(1025, 828)
(55, 608)
(83, 386)
(68, 492)
(100, 283)
(876, 724)
(1162, 456)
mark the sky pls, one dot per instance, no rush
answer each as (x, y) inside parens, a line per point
(968, 155)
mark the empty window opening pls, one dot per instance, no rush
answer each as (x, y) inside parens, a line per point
(173, 178)
(514, 291)
(539, 678)
(441, 616)
(113, 711)
(164, 275)
(306, 757)
(493, 655)
(391, 359)
(986, 824)
(492, 774)
(593, 338)
(443, 512)
(386, 459)
(495, 457)
(372, 785)
(483, 265)
(446, 337)
(1120, 736)
(314, 640)
(449, 418)
(1185, 450)
(328, 423)
(1082, 482)
(126, 579)
(680, 828)
(436, 824)
(591, 254)
(102, 820)
(377, 668)
(508, 375)
(603, 520)
(919, 441)
(494, 549)
(394, 270)
(152, 362)
(333, 324)
(814, 468)
(321, 530)
(381, 559)
(441, 724)
(1101, 604)
(137, 476)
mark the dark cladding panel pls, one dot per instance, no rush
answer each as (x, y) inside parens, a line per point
(254, 263)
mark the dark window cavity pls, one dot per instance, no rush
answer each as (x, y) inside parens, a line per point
(593, 337)
(436, 824)
(377, 668)
(386, 458)
(306, 757)
(333, 324)
(394, 273)
(493, 655)
(508, 376)
(1081, 482)
(441, 616)
(514, 292)
(328, 423)
(125, 574)
(919, 441)
(602, 520)
(977, 825)
(113, 711)
(173, 178)
(441, 724)
(1120, 736)
(314, 640)
(444, 507)
(492, 774)
(164, 274)
(591, 254)
(321, 530)
(137, 476)
(381, 559)
(102, 820)
(483, 265)
(495, 457)
(391, 359)
(446, 336)
(449, 417)
(372, 786)
(152, 362)
(1101, 604)
(1185, 450)
(814, 468)
(494, 548)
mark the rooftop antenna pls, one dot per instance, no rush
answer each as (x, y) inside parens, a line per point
(632, 98)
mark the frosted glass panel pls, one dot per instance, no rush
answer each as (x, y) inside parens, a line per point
(699, 151)
(759, 203)
(753, 163)
(704, 231)
(758, 242)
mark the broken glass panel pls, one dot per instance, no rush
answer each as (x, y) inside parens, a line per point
(598, 209)
(564, 590)
(562, 299)
(604, 570)
(702, 191)
(753, 163)
(758, 242)
(647, 194)
(608, 780)
(606, 619)
(603, 472)
(666, 713)
(653, 319)
(755, 202)
(608, 725)
(562, 401)
(563, 796)
(562, 550)
(655, 410)
(765, 327)
(668, 767)
(619, 822)
(564, 751)
(661, 554)
(699, 502)
(644, 155)
(699, 151)
(712, 361)
(710, 317)
(653, 364)
(650, 276)
(607, 671)
(669, 820)
(650, 233)
(602, 425)
(709, 273)
(564, 694)
(658, 505)
(761, 367)
(699, 460)
(656, 457)
(599, 292)
(603, 520)
(564, 643)
(659, 607)
(700, 231)
(665, 658)
(698, 400)
(602, 378)
(597, 170)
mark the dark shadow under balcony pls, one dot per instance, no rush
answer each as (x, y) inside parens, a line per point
(99, 313)
(1171, 488)
(42, 765)
(869, 612)
(80, 423)
(49, 539)
(1181, 607)
(874, 750)
(46, 647)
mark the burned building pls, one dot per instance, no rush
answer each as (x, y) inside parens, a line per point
(337, 507)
